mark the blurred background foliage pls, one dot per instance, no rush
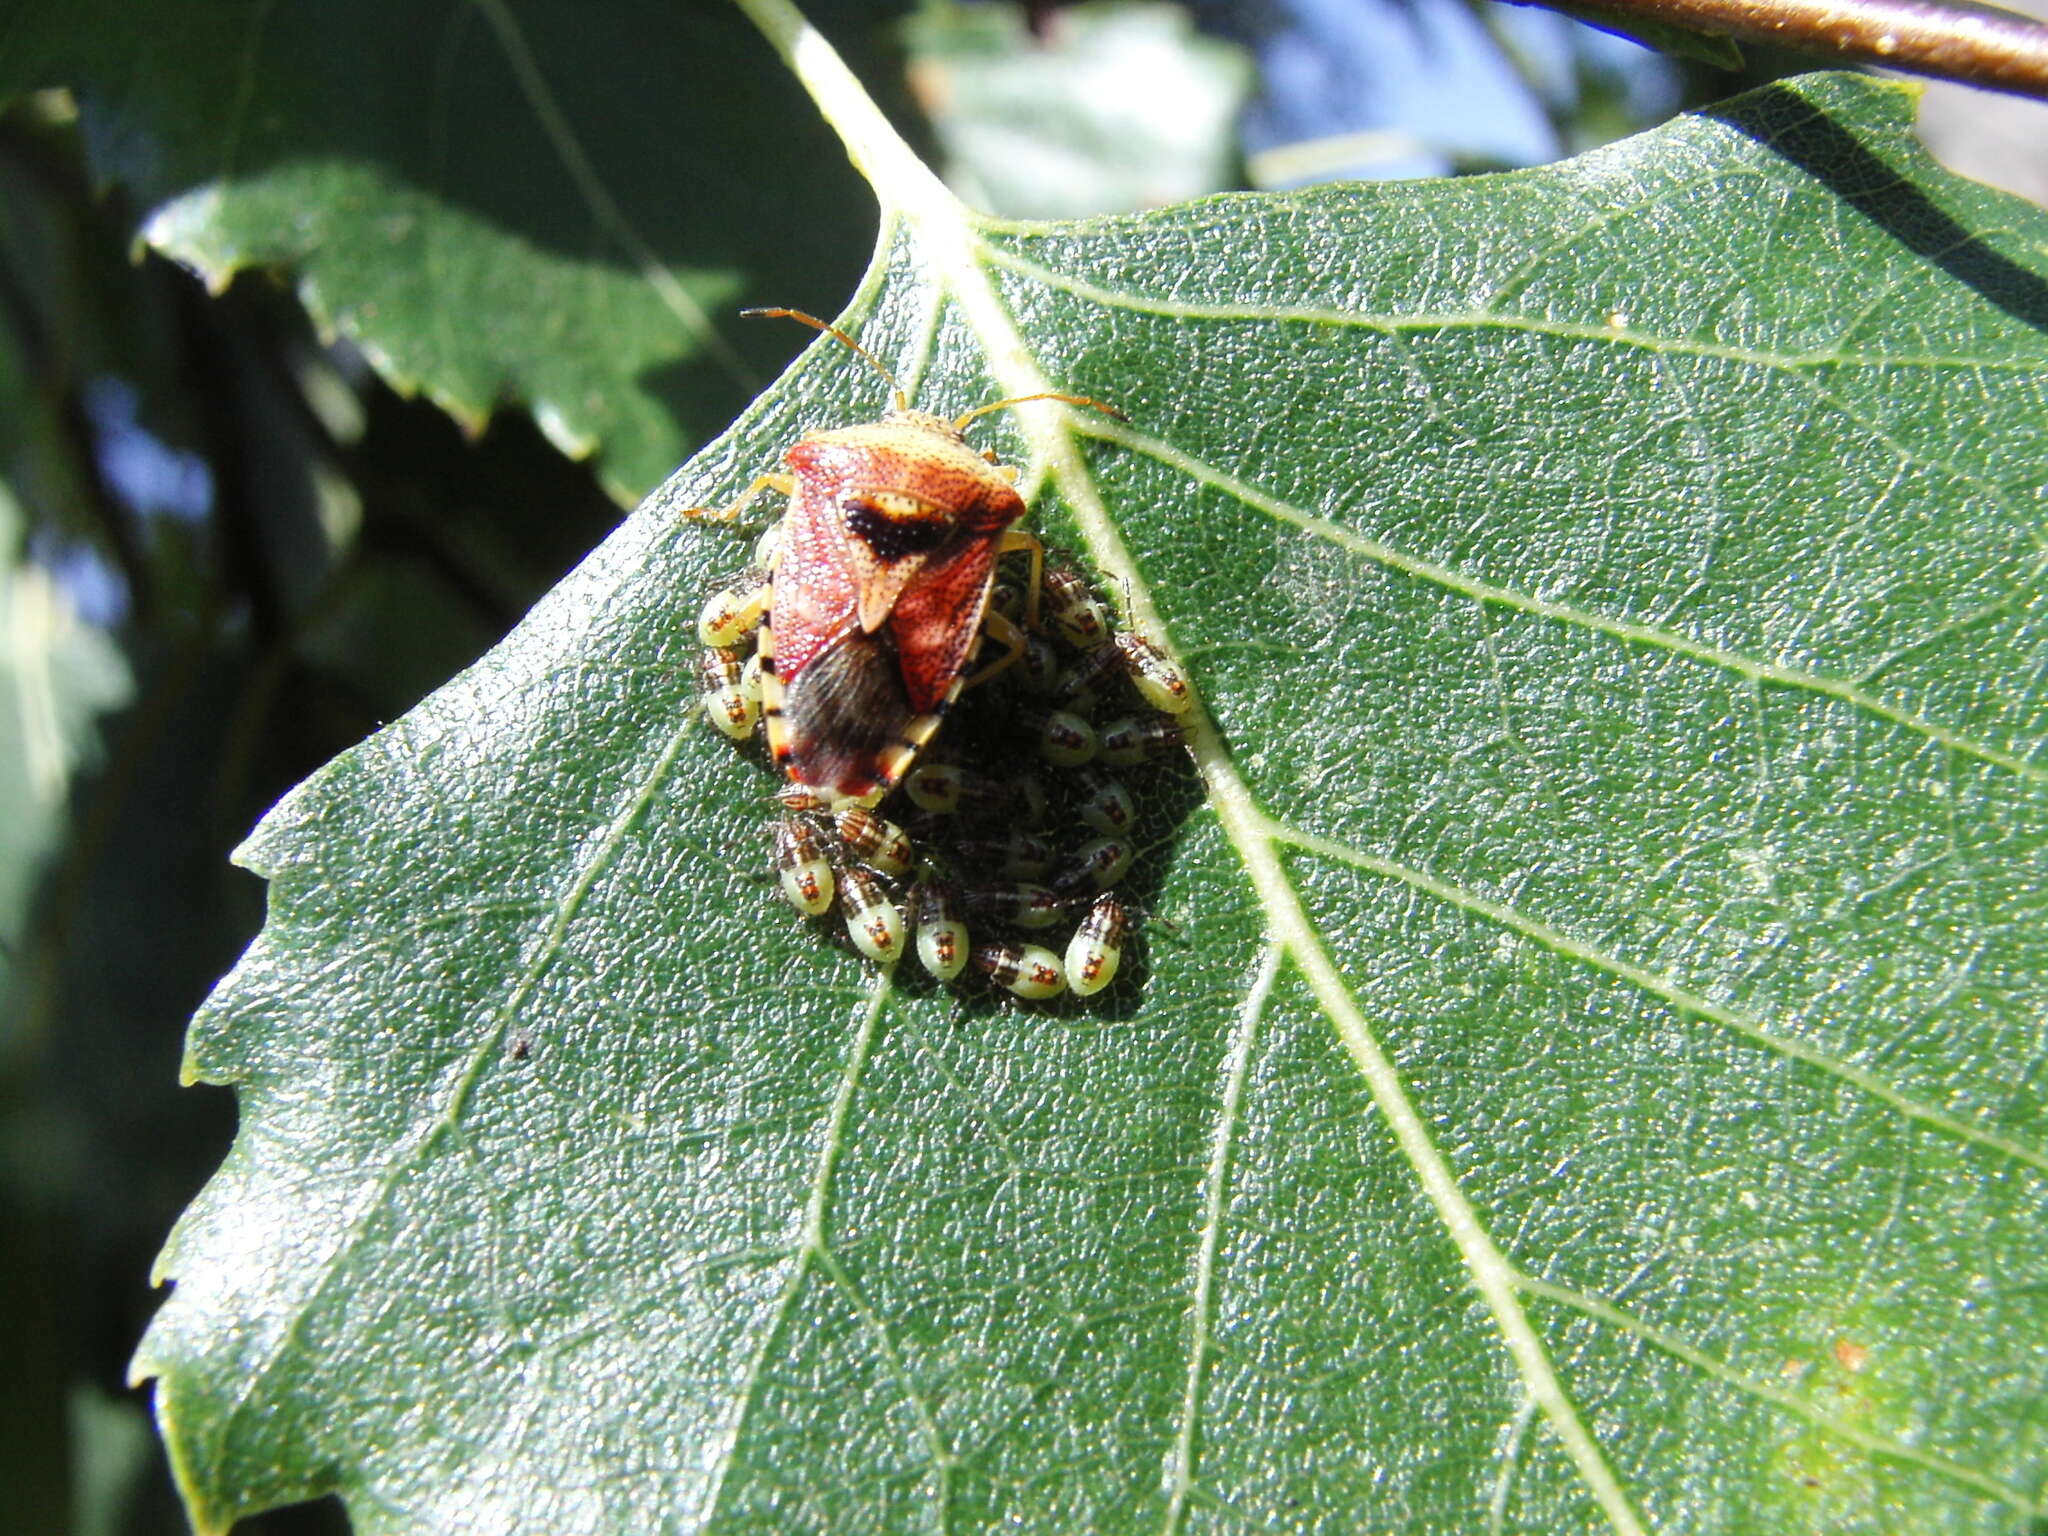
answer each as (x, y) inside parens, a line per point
(230, 547)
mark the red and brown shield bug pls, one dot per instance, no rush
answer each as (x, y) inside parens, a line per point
(878, 590)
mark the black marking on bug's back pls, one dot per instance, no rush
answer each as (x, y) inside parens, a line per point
(845, 709)
(891, 538)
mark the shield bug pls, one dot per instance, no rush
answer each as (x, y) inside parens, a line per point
(726, 702)
(875, 842)
(878, 587)
(941, 935)
(873, 919)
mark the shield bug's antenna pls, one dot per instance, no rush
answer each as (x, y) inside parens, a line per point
(983, 410)
(902, 400)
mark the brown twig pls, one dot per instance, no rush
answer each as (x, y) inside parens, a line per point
(1977, 44)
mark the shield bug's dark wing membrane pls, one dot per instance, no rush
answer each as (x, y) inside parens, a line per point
(845, 722)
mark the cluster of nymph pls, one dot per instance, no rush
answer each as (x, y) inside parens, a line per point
(1016, 818)
(858, 633)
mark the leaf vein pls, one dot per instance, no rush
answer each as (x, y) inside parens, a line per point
(1484, 320)
(943, 1461)
(1248, 830)
(1671, 1343)
(1772, 673)
(1180, 1470)
(811, 1244)
(598, 858)
(1662, 987)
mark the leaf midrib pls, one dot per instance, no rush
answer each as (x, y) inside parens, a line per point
(962, 256)
(959, 257)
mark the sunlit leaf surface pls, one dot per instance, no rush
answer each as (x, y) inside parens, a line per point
(1585, 1067)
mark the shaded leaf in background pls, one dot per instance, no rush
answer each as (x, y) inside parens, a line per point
(262, 641)
(58, 675)
(1617, 592)
(467, 190)
(1107, 108)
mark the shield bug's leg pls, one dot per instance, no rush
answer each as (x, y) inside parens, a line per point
(1034, 585)
(1025, 969)
(784, 485)
(1097, 947)
(1006, 634)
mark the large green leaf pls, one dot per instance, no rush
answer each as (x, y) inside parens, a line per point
(528, 203)
(1587, 1067)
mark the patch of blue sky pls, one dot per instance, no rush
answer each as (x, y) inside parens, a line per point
(1381, 89)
